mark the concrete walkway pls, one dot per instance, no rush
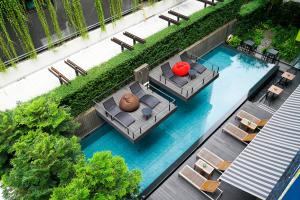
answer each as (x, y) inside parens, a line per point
(31, 78)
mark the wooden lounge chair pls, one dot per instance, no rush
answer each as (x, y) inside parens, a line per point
(259, 122)
(238, 133)
(167, 73)
(200, 182)
(212, 159)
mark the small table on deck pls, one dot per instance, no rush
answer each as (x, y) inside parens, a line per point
(204, 168)
(247, 123)
(272, 54)
(192, 74)
(147, 112)
(249, 45)
(275, 90)
(287, 76)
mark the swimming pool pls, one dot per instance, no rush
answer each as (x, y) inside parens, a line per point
(292, 191)
(166, 143)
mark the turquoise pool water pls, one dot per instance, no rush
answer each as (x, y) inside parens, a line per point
(166, 143)
(293, 190)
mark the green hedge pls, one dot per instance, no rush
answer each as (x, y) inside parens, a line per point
(252, 7)
(80, 93)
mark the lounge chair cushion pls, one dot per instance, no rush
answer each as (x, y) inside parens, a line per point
(150, 100)
(125, 119)
(185, 57)
(129, 102)
(198, 67)
(212, 159)
(210, 186)
(179, 81)
(249, 137)
(222, 166)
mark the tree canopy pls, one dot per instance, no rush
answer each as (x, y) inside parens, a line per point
(103, 177)
(43, 114)
(41, 163)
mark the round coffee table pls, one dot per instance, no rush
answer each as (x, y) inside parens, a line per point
(192, 73)
(147, 112)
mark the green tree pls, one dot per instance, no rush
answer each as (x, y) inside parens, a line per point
(103, 177)
(43, 114)
(8, 135)
(41, 163)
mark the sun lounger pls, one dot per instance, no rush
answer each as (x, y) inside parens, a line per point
(259, 122)
(114, 111)
(194, 65)
(207, 187)
(238, 133)
(167, 72)
(212, 159)
(147, 99)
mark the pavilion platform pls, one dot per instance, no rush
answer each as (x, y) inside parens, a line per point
(141, 126)
(190, 89)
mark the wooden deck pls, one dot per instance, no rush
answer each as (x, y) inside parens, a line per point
(225, 146)
(141, 126)
(187, 91)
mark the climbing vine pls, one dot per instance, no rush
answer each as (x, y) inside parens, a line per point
(2, 66)
(8, 40)
(151, 2)
(54, 19)
(79, 18)
(74, 14)
(99, 8)
(115, 7)
(5, 49)
(42, 17)
(135, 4)
(14, 13)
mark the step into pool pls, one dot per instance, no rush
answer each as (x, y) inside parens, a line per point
(166, 143)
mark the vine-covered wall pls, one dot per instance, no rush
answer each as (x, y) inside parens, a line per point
(13, 14)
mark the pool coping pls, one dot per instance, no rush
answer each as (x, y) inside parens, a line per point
(194, 147)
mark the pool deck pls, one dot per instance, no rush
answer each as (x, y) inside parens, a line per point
(141, 126)
(190, 89)
(225, 146)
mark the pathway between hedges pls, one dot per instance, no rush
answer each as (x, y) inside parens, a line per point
(31, 78)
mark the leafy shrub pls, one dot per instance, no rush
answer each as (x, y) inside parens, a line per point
(255, 33)
(41, 163)
(235, 41)
(284, 40)
(102, 177)
(46, 115)
(41, 114)
(286, 14)
(252, 6)
(80, 93)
